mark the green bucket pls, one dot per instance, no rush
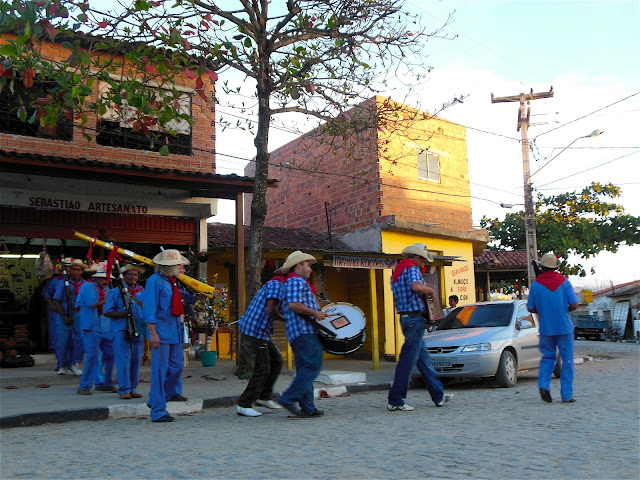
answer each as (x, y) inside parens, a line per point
(209, 358)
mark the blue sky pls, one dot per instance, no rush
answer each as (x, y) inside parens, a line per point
(588, 50)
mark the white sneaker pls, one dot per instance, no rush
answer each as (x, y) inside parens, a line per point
(62, 371)
(445, 399)
(268, 404)
(402, 408)
(75, 369)
(247, 412)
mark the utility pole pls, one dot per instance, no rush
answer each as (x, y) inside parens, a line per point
(529, 213)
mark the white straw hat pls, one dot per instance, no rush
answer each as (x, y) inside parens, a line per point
(101, 272)
(419, 249)
(130, 266)
(549, 260)
(75, 262)
(170, 257)
(296, 258)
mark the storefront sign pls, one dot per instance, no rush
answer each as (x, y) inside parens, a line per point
(364, 262)
(460, 281)
(61, 203)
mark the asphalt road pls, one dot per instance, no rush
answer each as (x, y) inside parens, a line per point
(484, 432)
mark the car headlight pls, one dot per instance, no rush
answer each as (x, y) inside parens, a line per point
(478, 347)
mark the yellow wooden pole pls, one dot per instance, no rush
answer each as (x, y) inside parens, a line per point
(375, 351)
(289, 357)
(398, 330)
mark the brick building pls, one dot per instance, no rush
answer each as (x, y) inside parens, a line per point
(116, 186)
(398, 184)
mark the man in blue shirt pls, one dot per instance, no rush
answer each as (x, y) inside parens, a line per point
(127, 351)
(552, 297)
(96, 334)
(408, 289)
(69, 348)
(162, 309)
(301, 312)
(256, 325)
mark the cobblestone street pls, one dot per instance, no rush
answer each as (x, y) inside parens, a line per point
(485, 432)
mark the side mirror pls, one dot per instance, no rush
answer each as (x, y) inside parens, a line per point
(524, 324)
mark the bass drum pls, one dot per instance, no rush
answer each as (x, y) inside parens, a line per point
(347, 322)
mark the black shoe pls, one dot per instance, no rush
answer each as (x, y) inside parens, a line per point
(573, 400)
(318, 413)
(292, 408)
(103, 388)
(545, 395)
(178, 398)
(164, 419)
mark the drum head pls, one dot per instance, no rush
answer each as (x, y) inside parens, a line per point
(346, 320)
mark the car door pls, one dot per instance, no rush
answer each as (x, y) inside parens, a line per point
(527, 338)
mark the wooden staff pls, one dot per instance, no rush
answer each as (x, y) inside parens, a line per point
(192, 283)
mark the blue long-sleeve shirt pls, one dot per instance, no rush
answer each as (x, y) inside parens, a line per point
(115, 304)
(156, 309)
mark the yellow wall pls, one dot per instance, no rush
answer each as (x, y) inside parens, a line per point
(458, 278)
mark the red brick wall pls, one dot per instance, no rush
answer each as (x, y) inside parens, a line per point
(393, 189)
(318, 175)
(202, 130)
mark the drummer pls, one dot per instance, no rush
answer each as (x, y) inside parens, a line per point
(301, 312)
(256, 325)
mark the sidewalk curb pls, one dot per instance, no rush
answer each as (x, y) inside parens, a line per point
(119, 411)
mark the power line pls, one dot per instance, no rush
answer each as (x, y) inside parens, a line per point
(585, 116)
(587, 169)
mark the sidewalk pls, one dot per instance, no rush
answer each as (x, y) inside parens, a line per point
(42, 397)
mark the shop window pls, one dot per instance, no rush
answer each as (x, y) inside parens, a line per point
(429, 166)
(114, 129)
(10, 103)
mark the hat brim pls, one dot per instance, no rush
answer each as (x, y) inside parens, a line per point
(293, 260)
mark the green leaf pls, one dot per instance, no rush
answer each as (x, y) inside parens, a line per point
(8, 49)
(164, 150)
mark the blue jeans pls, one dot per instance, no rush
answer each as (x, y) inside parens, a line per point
(94, 344)
(128, 354)
(307, 352)
(414, 352)
(64, 342)
(167, 362)
(548, 345)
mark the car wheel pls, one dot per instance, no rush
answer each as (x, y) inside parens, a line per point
(507, 374)
(557, 370)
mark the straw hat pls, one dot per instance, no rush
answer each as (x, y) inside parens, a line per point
(170, 257)
(549, 260)
(75, 262)
(419, 249)
(130, 266)
(101, 272)
(296, 258)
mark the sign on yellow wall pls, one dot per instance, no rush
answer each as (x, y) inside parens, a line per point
(588, 297)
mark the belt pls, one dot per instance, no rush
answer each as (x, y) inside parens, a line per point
(417, 312)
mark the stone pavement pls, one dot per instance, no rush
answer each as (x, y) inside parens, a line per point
(484, 432)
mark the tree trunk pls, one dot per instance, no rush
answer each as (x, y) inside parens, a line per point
(258, 214)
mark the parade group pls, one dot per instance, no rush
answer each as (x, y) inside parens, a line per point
(91, 322)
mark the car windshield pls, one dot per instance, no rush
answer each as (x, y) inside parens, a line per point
(475, 316)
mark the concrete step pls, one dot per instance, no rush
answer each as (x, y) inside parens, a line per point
(335, 377)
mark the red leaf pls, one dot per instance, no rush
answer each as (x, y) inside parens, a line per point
(199, 84)
(208, 17)
(204, 24)
(213, 76)
(186, 44)
(202, 94)
(50, 29)
(103, 24)
(189, 73)
(150, 68)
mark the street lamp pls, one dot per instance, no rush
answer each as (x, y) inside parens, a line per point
(529, 213)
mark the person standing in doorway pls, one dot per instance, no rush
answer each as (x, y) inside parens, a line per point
(552, 297)
(409, 291)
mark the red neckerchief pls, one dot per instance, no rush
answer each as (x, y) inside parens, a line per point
(176, 300)
(550, 279)
(133, 290)
(277, 278)
(313, 288)
(402, 265)
(102, 293)
(77, 285)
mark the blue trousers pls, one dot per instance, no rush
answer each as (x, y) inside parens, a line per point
(167, 362)
(94, 343)
(128, 354)
(414, 352)
(64, 342)
(307, 351)
(548, 345)
(51, 328)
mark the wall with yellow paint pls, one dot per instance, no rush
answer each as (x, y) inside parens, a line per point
(457, 279)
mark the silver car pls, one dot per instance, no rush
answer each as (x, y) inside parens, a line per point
(489, 339)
